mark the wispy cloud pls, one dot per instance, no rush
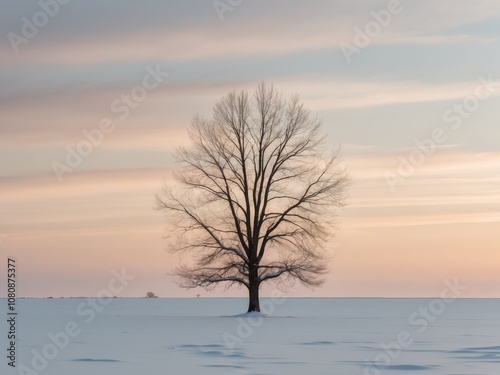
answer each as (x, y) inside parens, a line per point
(336, 93)
(286, 29)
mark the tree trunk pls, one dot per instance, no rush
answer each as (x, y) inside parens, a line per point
(253, 291)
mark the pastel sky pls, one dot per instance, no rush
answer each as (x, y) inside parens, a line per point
(416, 216)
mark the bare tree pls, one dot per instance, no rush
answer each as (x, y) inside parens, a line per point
(256, 195)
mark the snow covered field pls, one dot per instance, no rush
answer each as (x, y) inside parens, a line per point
(300, 336)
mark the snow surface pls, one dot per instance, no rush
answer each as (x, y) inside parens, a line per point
(298, 336)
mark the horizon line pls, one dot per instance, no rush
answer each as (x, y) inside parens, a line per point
(152, 298)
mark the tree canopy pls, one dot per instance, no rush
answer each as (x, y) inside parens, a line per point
(256, 194)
